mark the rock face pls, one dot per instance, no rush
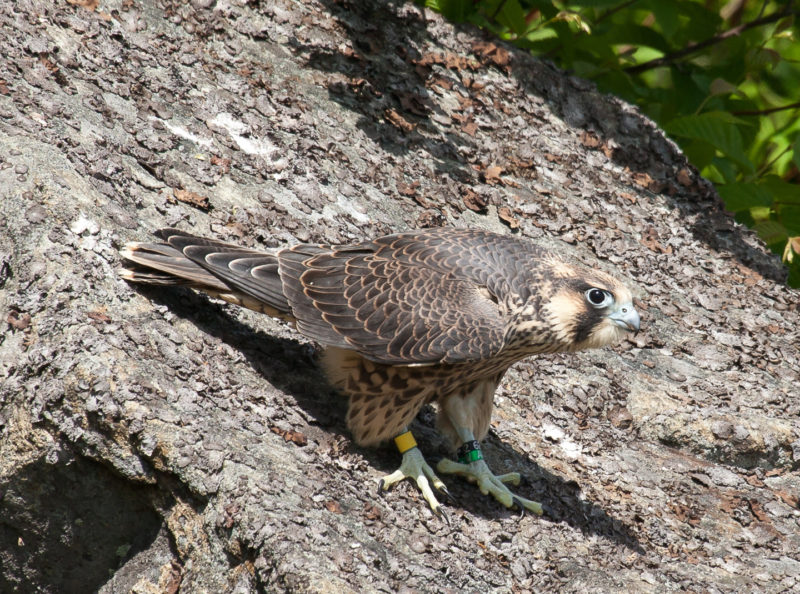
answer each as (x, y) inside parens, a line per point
(156, 441)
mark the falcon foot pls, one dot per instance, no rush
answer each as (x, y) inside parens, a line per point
(415, 467)
(478, 472)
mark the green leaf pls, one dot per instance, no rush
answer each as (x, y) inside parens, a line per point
(688, 95)
(541, 34)
(586, 69)
(760, 214)
(699, 152)
(636, 35)
(455, 10)
(720, 86)
(728, 171)
(794, 274)
(790, 218)
(745, 218)
(783, 192)
(742, 196)
(666, 16)
(772, 232)
(784, 24)
(759, 58)
(698, 22)
(512, 16)
(718, 129)
(616, 82)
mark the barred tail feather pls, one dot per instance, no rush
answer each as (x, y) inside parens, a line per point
(237, 275)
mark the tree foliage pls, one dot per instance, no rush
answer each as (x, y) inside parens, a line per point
(722, 78)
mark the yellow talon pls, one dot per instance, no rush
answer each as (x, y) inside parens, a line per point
(415, 467)
(490, 484)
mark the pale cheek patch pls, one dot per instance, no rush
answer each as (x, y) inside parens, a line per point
(562, 312)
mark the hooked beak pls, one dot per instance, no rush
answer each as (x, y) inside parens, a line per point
(626, 317)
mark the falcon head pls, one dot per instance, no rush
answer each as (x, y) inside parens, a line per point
(589, 309)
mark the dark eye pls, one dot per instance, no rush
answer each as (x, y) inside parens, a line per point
(599, 297)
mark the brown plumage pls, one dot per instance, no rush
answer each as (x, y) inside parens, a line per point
(434, 315)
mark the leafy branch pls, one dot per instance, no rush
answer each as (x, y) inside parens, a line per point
(702, 45)
(761, 112)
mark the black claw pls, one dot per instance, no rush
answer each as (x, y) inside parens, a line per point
(438, 511)
(380, 488)
(446, 492)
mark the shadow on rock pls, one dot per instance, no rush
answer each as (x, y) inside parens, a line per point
(289, 365)
(67, 525)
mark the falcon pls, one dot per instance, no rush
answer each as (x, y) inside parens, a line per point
(437, 315)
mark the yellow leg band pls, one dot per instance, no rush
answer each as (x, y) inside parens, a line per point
(405, 441)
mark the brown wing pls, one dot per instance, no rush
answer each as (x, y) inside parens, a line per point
(389, 310)
(413, 298)
(507, 266)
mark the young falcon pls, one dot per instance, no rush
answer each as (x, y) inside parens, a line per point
(427, 316)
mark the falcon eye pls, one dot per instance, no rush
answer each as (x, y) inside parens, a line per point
(599, 298)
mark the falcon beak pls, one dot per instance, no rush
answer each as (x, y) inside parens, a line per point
(626, 317)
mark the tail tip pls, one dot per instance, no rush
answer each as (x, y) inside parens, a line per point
(129, 248)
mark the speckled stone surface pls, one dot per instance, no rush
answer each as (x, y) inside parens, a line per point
(162, 442)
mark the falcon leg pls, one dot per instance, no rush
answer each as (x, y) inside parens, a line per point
(472, 466)
(415, 467)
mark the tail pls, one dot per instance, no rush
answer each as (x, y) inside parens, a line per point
(246, 277)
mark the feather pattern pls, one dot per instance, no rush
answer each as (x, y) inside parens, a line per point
(406, 318)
